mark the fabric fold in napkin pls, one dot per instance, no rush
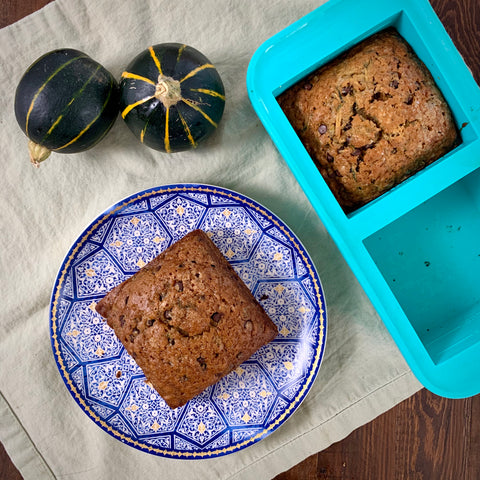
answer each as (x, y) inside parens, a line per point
(44, 210)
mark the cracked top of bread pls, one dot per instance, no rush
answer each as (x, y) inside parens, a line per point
(187, 318)
(370, 118)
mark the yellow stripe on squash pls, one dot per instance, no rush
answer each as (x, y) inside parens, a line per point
(180, 51)
(187, 131)
(199, 110)
(142, 133)
(137, 77)
(212, 93)
(155, 59)
(166, 140)
(196, 70)
(133, 105)
(55, 123)
(144, 129)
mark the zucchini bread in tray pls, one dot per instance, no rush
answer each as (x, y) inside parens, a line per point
(370, 118)
(187, 318)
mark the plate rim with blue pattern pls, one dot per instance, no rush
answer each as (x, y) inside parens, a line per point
(174, 443)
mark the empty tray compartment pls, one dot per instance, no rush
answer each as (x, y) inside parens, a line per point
(430, 259)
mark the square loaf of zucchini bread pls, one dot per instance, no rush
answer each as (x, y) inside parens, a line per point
(370, 118)
(187, 318)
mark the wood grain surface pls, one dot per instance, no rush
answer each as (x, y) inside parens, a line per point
(426, 437)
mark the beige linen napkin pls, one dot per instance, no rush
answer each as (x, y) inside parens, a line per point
(44, 210)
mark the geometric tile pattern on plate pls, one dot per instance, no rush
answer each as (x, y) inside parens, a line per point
(243, 407)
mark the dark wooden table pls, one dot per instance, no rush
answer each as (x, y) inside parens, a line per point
(426, 437)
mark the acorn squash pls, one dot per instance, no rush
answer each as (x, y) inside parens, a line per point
(65, 102)
(171, 97)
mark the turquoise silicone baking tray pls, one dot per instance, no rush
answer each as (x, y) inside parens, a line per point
(416, 249)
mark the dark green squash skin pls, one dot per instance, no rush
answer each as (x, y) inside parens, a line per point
(66, 101)
(189, 121)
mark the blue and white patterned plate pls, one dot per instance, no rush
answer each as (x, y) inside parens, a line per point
(243, 407)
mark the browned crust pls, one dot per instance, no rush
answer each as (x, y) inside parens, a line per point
(370, 118)
(187, 318)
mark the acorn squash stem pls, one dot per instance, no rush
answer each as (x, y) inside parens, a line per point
(37, 153)
(168, 91)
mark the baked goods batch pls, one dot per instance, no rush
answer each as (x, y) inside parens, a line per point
(370, 118)
(187, 318)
